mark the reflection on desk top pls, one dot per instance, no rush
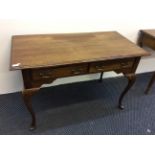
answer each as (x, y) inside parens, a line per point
(32, 51)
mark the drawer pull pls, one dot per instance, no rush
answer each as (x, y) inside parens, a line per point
(44, 75)
(76, 71)
(100, 67)
(124, 64)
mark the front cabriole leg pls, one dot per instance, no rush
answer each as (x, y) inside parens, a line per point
(27, 94)
(131, 80)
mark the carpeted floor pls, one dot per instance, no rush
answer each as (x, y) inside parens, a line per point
(83, 108)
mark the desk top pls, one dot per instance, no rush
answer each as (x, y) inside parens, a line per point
(150, 32)
(32, 51)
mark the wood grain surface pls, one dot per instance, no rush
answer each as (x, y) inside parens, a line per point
(150, 32)
(34, 51)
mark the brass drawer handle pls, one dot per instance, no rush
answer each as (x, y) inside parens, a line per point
(44, 74)
(77, 71)
(100, 67)
(124, 64)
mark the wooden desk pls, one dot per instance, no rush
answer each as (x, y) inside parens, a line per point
(43, 58)
(147, 38)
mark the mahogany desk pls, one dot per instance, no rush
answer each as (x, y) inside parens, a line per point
(43, 58)
(147, 38)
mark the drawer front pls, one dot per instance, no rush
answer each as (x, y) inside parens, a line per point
(111, 65)
(46, 73)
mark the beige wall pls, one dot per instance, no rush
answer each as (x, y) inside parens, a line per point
(55, 16)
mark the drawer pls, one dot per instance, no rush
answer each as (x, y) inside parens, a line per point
(111, 65)
(50, 72)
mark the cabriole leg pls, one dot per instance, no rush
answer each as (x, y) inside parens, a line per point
(150, 84)
(101, 76)
(131, 80)
(27, 94)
